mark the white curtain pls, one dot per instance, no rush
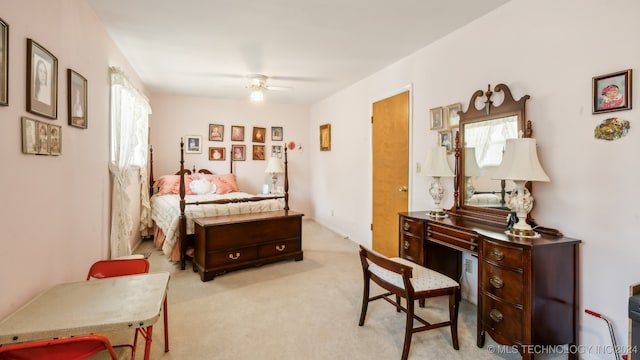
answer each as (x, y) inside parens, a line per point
(489, 138)
(129, 143)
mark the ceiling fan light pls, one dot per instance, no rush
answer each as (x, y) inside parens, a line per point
(256, 96)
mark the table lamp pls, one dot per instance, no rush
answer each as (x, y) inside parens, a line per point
(437, 166)
(471, 168)
(520, 164)
(275, 166)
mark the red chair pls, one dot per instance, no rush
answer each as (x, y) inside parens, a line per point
(79, 347)
(121, 267)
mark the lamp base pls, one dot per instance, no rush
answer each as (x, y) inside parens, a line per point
(437, 214)
(523, 233)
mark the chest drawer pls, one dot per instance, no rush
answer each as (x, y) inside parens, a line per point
(230, 257)
(507, 285)
(279, 248)
(462, 240)
(502, 318)
(503, 255)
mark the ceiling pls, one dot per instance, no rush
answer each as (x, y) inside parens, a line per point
(314, 47)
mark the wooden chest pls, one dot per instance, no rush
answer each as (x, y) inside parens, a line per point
(225, 243)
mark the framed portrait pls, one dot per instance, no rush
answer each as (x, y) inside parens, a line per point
(194, 144)
(276, 133)
(216, 132)
(238, 152)
(453, 119)
(29, 136)
(42, 138)
(42, 81)
(276, 150)
(444, 139)
(612, 92)
(435, 115)
(77, 99)
(4, 63)
(237, 133)
(259, 134)
(55, 140)
(258, 152)
(217, 153)
(325, 137)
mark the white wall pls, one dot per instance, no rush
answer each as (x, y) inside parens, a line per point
(177, 116)
(549, 50)
(55, 210)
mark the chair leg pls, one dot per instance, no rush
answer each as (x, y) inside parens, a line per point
(398, 303)
(454, 305)
(365, 299)
(166, 325)
(135, 342)
(408, 331)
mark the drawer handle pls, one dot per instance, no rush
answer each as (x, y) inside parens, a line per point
(497, 254)
(407, 245)
(406, 226)
(280, 247)
(232, 257)
(496, 315)
(496, 282)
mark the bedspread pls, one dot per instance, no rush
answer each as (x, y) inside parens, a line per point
(165, 211)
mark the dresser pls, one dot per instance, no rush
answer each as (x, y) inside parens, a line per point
(527, 287)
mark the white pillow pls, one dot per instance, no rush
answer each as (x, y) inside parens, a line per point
(200, 186)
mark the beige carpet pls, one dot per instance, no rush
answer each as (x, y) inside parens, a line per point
(298, 310)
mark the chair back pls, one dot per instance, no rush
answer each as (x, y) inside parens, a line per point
(390, 275)
(77, 347)
(117, 267)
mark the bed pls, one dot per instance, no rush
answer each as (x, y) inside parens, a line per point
(180, 198)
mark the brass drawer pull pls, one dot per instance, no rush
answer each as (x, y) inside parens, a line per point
(232, 257)
(406, 226)
(496, 282)
(280, 247)
(407, 245)
(497, 254)
(496, 315)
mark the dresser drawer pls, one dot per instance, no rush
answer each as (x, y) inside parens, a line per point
(411, 248)
(279, 248)
(411, 226)
(502, 318)
(507, 285)
(503, 255)
(230, 257)
(465, 241)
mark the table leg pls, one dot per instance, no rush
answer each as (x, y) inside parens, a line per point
(166, 326)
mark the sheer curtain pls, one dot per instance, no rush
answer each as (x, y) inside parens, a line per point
(129, 143)
(488, 137)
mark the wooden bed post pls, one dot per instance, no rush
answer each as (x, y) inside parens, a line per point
(151, 170)
(231, 160)
(182, 220)
(286, 181)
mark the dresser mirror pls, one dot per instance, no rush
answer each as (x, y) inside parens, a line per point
(491, 118)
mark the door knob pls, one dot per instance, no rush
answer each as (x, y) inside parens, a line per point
(403, 189)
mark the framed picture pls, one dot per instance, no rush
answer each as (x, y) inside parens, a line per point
(444, 139)
(276, 133)
(217, 153)
(453, 119)
(55, 140)
(258, 152)
(43, 138)
(29, 136)
(77, 99)
(4, 63)
(194, 144)
(216, 132)
(237, 133)
(612, 92)
(42, 81)
(276, 150)
(435, 115)
(259, 134)
(325, 137)
(239, 152)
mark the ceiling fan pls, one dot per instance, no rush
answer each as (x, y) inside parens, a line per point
(258, 85)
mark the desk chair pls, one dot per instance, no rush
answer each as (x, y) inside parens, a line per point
(129, 266)
(410, 281)
(78, 347)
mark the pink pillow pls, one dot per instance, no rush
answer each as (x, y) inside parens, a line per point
(166, 183)
(221, 186)
(187, 181)
(229, 179)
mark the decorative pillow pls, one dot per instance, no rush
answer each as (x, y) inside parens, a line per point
(166, 183)
(229, 179)
(203, 176)
(200, 186)
(187, 188)
(221, 186)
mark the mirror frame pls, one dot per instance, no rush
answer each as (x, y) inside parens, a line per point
(508, 107)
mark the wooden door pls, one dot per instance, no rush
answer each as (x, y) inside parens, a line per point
(390, 153)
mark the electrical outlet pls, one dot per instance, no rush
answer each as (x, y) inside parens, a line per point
(468, 266)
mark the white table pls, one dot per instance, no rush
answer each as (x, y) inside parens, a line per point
(90, 307)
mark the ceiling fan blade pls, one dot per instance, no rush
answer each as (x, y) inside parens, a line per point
(278, 88)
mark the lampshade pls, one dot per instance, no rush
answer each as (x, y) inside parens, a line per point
(275, 165)
(520, 162)
(471, 167)
(437, 164)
